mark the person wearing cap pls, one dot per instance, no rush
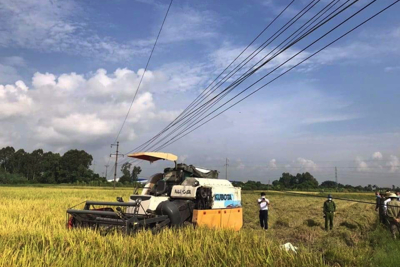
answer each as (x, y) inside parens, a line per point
(263, 202)
(387, 200)
(329, 211)
(393, 214)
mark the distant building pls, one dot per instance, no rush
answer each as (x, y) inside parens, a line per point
(142, 181)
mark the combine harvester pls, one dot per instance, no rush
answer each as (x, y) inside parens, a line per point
(181, 195)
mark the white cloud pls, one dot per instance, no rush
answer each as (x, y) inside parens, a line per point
(392, 69)
(71, 109)
(8, 73)
(227, 52)
(240, 165)
(361, 165)
(61, 26)
(41, 80)
(368, 45)
(394, 163)
(14, 101)
(377, 155)
(57, 26)
(307, 164)
(272, 164)
(82, 124)
(14, 61)
(187, 24)
(320, 118)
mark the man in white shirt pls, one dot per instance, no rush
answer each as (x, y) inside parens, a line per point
(264, 204)
(386, 202)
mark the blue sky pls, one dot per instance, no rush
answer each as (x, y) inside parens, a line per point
(68, 71)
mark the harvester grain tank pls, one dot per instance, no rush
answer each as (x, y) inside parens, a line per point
(183, 194)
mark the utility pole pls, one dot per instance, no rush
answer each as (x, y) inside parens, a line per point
(106, 170)
(116, 161)
(226, 168)
(336, 179)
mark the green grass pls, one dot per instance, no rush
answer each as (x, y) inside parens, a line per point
(33, 233)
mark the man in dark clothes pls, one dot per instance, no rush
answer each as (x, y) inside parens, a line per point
(380, 207)
(329, 211)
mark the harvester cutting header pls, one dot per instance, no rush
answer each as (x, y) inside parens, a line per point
(183, 194)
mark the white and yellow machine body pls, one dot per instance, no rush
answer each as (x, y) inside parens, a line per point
(224, 194)
(226, 208)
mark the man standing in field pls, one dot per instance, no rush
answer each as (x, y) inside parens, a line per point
(380, 207)
(387, 200)
(329, 211)
(393, 214)
(264, 204)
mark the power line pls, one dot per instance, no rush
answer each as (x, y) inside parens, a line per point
(141, 78)
(318, 24)
(282, 50)
(227, 77)
(192, 116)
(209, 104)
(208, 87)
(266, 43)
(174, 139)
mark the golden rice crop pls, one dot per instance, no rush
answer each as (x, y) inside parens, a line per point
(33, 233)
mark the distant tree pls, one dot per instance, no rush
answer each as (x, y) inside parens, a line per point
(126, 173)
(6, 154)
(285, 180)
(300, 181)
(74, 166)
(308, 181)
(328, 184)
(50, 169)
(19, 163)
(129, 176)
(135, 173)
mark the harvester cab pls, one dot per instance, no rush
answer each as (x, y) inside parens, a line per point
(183, 194)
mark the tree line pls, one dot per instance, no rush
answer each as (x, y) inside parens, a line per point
(306, 181)
(73, 167)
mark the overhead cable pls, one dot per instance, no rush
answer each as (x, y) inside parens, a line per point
(176, 138)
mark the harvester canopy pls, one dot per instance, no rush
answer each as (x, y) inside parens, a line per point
(154, 156)
(184, 170)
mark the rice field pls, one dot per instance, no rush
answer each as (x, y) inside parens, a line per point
(33, 233)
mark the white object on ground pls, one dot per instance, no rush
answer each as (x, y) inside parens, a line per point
(288, 247)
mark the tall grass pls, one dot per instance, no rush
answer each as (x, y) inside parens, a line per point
(33, 233)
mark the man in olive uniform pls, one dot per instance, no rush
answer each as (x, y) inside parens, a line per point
(329, 211)
(393, 214)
